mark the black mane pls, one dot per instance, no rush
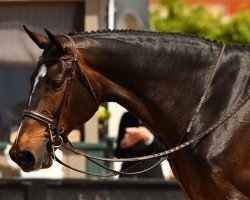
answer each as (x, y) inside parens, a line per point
(160, 34)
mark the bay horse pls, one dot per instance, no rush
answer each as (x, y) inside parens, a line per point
(160, 77)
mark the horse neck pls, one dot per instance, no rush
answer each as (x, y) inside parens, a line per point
(153, 81)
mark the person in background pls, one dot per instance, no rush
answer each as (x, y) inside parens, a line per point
(135, 140)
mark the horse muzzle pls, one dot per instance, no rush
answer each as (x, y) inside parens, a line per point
(30, 160)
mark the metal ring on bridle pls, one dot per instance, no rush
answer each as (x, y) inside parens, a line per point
(57, 141)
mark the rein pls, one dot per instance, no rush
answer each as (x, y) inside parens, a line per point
(58, 137)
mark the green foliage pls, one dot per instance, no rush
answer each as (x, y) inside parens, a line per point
(237, 30)
(197, 20)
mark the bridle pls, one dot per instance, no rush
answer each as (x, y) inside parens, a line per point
(58, 137)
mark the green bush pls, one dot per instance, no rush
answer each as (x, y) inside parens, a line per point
(197, 20)
(237, 30)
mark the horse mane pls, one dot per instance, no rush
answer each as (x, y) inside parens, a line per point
(154, 33)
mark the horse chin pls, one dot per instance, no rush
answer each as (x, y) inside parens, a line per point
(29, 169)
(47, 163)
(44, 163)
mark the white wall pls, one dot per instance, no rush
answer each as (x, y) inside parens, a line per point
(116, 112)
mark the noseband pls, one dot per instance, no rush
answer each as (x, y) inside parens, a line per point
(58, 137)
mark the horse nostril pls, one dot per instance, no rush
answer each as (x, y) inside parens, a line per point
(12, 154)
(25, 158)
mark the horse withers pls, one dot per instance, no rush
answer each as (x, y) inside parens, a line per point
(160, 77)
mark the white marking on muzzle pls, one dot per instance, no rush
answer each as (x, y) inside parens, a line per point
(42, 72)
(18, 131)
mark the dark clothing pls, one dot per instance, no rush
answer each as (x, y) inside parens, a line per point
(139, 149)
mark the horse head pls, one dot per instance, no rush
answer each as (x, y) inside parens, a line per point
(58, 100)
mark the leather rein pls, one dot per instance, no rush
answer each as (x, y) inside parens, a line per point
(58, 137)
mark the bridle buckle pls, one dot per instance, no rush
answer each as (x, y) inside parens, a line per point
(57, 141)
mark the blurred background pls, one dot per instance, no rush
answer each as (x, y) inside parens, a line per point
(223, 20)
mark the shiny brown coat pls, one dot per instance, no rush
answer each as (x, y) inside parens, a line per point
(160, 78)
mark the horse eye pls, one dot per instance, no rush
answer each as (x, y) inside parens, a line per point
(55, 84)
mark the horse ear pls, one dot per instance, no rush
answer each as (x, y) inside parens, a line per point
(54, 40)
(40, 40)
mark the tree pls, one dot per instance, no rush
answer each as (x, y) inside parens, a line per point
(237, 30)
(197, 20)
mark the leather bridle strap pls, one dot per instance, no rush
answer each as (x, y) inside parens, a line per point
(114, 172)
(203, 97)
(197, 110)
(162, 155)
(196, 138)
(85, 78)
(38, 116)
